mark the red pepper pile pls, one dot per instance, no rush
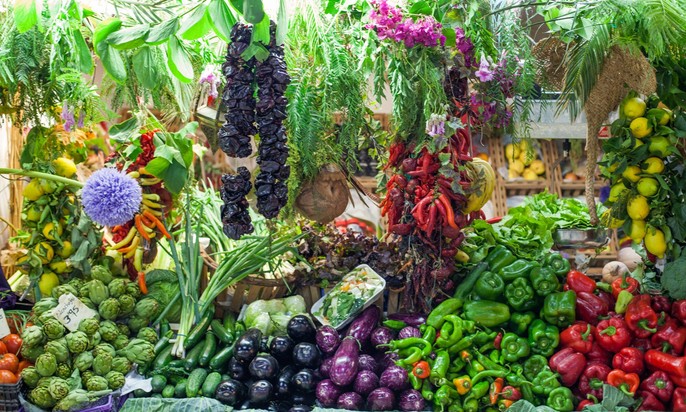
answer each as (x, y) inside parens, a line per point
(639, 350)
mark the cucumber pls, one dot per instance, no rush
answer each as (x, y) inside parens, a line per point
(195, 381)
(168, 391)
(177, 363)
(221, 358)
(158, 382)
(221, 332)
(164, 357)
(199, 331)
(180, 389)
(210, 385)
(140, 393)
(193, 356)
(229, 322)
(208, 350)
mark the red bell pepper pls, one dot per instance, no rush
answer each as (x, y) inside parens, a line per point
(590, 307)
(625, 382)
(625, 283)
(679, 310)
(592, 379)
(640, 317)
(578, 282)
(612, 334)
(649, 402)
(569, 364)
(642, 344)
(629, 360)
(607, 297)
(583, 404)
(578, 337)
(679, 400)
(659, 384)
(661, 303)
(598, 354)
(658, 360)
(670, 337)
(679, 381)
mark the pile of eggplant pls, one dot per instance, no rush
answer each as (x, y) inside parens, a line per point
(279, 373)
(358, 374)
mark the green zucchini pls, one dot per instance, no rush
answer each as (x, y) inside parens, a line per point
(208, 350)
(224, 335)
(211, 382)
(198, 332)
(195, 381)
(164, 357)
(193, 356)
(229, 322)
(168, 391)
(221, 358)
(158, 382)
(180, 389)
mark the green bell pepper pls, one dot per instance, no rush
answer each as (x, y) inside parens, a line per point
(561, 399)
(440, 368)
(451, 332)
(544, 281)
(545, 382)
(520, 295)
(520, 268)
(514, 348)
(489, 286)
(557, 263)
(445, 308)
(535, 365)
(543, 338)
(466, 287)
(559, 308)
(499, 257)
(486, 313)
(520, 321)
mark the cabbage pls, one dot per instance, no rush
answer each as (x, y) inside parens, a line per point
(263, 322)
(254, 310)
(295, 304)
(163, 286)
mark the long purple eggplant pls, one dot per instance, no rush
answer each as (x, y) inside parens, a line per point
(362, 327)
(345, 362)
(410, 319)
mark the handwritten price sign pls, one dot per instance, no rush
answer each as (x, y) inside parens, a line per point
(70, 311)
(4, 326)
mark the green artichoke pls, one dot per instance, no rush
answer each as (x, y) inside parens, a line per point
(109, 309)
(30, 353)
(102, 364)
(41, 397)
(44, 305)
(45, 381)
(97, 291)
(89, 326)
(77, 342)
(32, 337)
(96, 383)
(76, 283)
(120, 342)
(58, 348)
(77, 398)
(101, 273)
(126, 304)
(108, 331)
(138, 351)
(147, 308)
(84, 290)
(89, 303)
(58, 388)
(86, 376)
(83, 361)
(53, 329)
(117, 287)
(63, 371)
(121, 364)
(115, 380)
(136, 323)
(123, 329)
(46, 364)
(30, 376)
(148, 334)
(133, 290)
(94, 340)
(104, 348)
(60, 290)
(45, 318)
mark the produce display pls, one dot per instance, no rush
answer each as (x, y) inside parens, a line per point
(523, 162)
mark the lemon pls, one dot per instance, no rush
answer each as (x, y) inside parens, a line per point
(34, 213)
(634, 107)
(638, 230)
(44, 251)
(526, 158)
(638, 208)
(662, 116)
(659, 146)
(47, 282)
(610, 221)
(638, 143)
(616, 191)
(48, 186)
(52, 231)
(67, 249)
(655, 241)
(648, 186)
(512, 152)
(64, 167)
(640, 127)
(59, 266)
(538, 167)
(653, 165)
(512, 174)
(631, 173)
(529, 174)
(613, 167)
(517, 166)
(33, 190)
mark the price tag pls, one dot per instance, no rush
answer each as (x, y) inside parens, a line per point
(70, 311)
(4, 327)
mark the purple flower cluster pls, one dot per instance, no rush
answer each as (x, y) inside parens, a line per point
(388, 23)
(465, 46)
(111, 198)
(68, 118)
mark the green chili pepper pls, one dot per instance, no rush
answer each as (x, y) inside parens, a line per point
(427, 390)
(415, 381)
(559, 308)
(410, 342)
(445, 395)
(479, 390)
(410, 356)
(520, 268)
(561, 399)
(514, 347)
(429, 333)
(486, 313)
(545, 382)
(520, 321)
(494, 356)
(474, 368)
(543, 338)
(445, 308)
(535, 365)
(450, 338)
(527, 393)
(499, 257)
(489, 286)
(544, 281)
(520, 295)
(466, 287)
(394, 324)
(557, 263)
(440, 368)
(483, 337)
(457, 365)
(456, 406)
(471, 404)
(489, 363)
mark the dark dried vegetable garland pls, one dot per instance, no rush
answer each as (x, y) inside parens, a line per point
(234, 212)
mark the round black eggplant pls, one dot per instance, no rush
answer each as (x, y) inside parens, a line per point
(230, 392)
(303, 399)
(300, 408)
(281, 347)
(237, 370)
(301, 329)
(306, 355)
(260, 392)
(280, 406)
(264, 344)
(304, 381)
(247, 345)
(264, 367)
(283, 384)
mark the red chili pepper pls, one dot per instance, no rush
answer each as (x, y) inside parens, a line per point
(431, 223)
(679, 400)
(592, 379)
(625, 382)
(421, 370)
(450, 217)
(670, 337)
(511, 393)
(590, 307)
(498, 340)
(157, 222)
(578, 337)
(612, 334)
(629, 360)
(658, 360)
(649, 402)
(640, 317)
(625, 283)
(496, 390)
(141, 283)
(569, 364)
(583, 404)
(140, 227)
(579, 282)
(419, 212)
(679, 310)
(659, 384)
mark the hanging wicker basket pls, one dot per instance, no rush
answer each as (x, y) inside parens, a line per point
(326, 197)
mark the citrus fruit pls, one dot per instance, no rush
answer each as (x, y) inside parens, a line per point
(529, 174)
(538, 167)
(67, 249)
(638, 207)
(648, 186)
(526, 158)
(34, 213)
(48, 186)
(640, 127)
(59, 266)
(64, 167)
(44, 251)
(634, 107)
(482, 156)
(655, 241)
(52, 231)
(512, 174)
(610, 221)
(512, 152)
(616, 191)
(659, 146)
(653, 165)
(631, 173)
(47, 282)
(638, 230)
(517, 166)
(662, 116)
(33, 191)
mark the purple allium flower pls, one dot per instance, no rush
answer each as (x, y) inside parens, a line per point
(67, 117)
(111, 198)
(484, 73)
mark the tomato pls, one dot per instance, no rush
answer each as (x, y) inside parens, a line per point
(9, 362)
(3, 348)
(7, 377)
(12, 342)
(23, 364)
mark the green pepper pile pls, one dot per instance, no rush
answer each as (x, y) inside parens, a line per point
(488, 346)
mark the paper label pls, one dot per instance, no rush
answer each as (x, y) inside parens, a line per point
(4, 326)
(70, 311)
